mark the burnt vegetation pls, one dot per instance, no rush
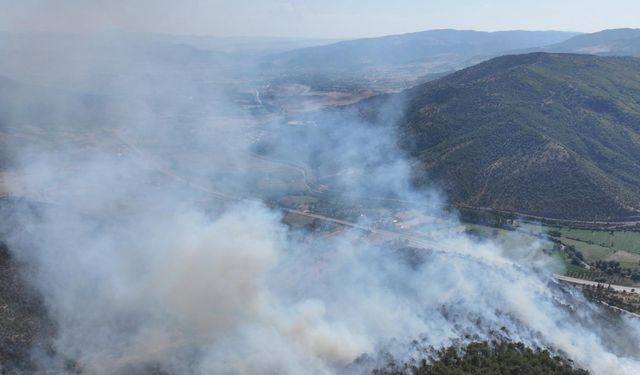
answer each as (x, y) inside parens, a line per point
(25, 328)
(497, 357)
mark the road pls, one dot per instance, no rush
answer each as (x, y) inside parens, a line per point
(305, 172)
(617, 288)
(417, 242)
(619, 221)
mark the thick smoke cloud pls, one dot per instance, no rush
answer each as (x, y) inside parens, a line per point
(151, 244)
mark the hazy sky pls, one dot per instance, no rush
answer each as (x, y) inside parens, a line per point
(315, 18)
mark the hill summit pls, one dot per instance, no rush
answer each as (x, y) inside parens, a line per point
(556, 135)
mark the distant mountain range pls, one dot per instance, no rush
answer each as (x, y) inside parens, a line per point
(556, 135)
(434, 51)
(617, 42)
(400, 61)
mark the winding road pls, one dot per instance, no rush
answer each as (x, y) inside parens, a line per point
(417, 242)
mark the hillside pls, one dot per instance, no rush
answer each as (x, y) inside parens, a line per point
(615, 42)
(545, 134)
(489, 358)
(24, 324)
(436, 50)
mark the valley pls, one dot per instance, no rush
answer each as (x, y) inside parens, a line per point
(443, 201)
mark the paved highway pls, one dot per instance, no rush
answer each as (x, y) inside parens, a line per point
(417, 242)
(618, 288)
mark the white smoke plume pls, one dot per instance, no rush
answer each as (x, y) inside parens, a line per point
(151, 248)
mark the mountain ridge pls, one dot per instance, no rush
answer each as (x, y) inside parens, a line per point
(611, 42)
(411, 48)
(555, 135)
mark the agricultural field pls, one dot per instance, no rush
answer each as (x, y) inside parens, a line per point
(596, 255)
(525, 245)
(507, 238)
(591, 252)
(597, 245)
(617, 240)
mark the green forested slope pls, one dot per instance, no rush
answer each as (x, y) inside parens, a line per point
(549, 134)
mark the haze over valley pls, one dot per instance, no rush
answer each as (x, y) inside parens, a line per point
(444, 201)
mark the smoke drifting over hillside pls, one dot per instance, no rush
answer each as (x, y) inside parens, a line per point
(147, 256)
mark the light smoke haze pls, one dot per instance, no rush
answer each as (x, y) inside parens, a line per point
(307, 18)
(140, 263)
